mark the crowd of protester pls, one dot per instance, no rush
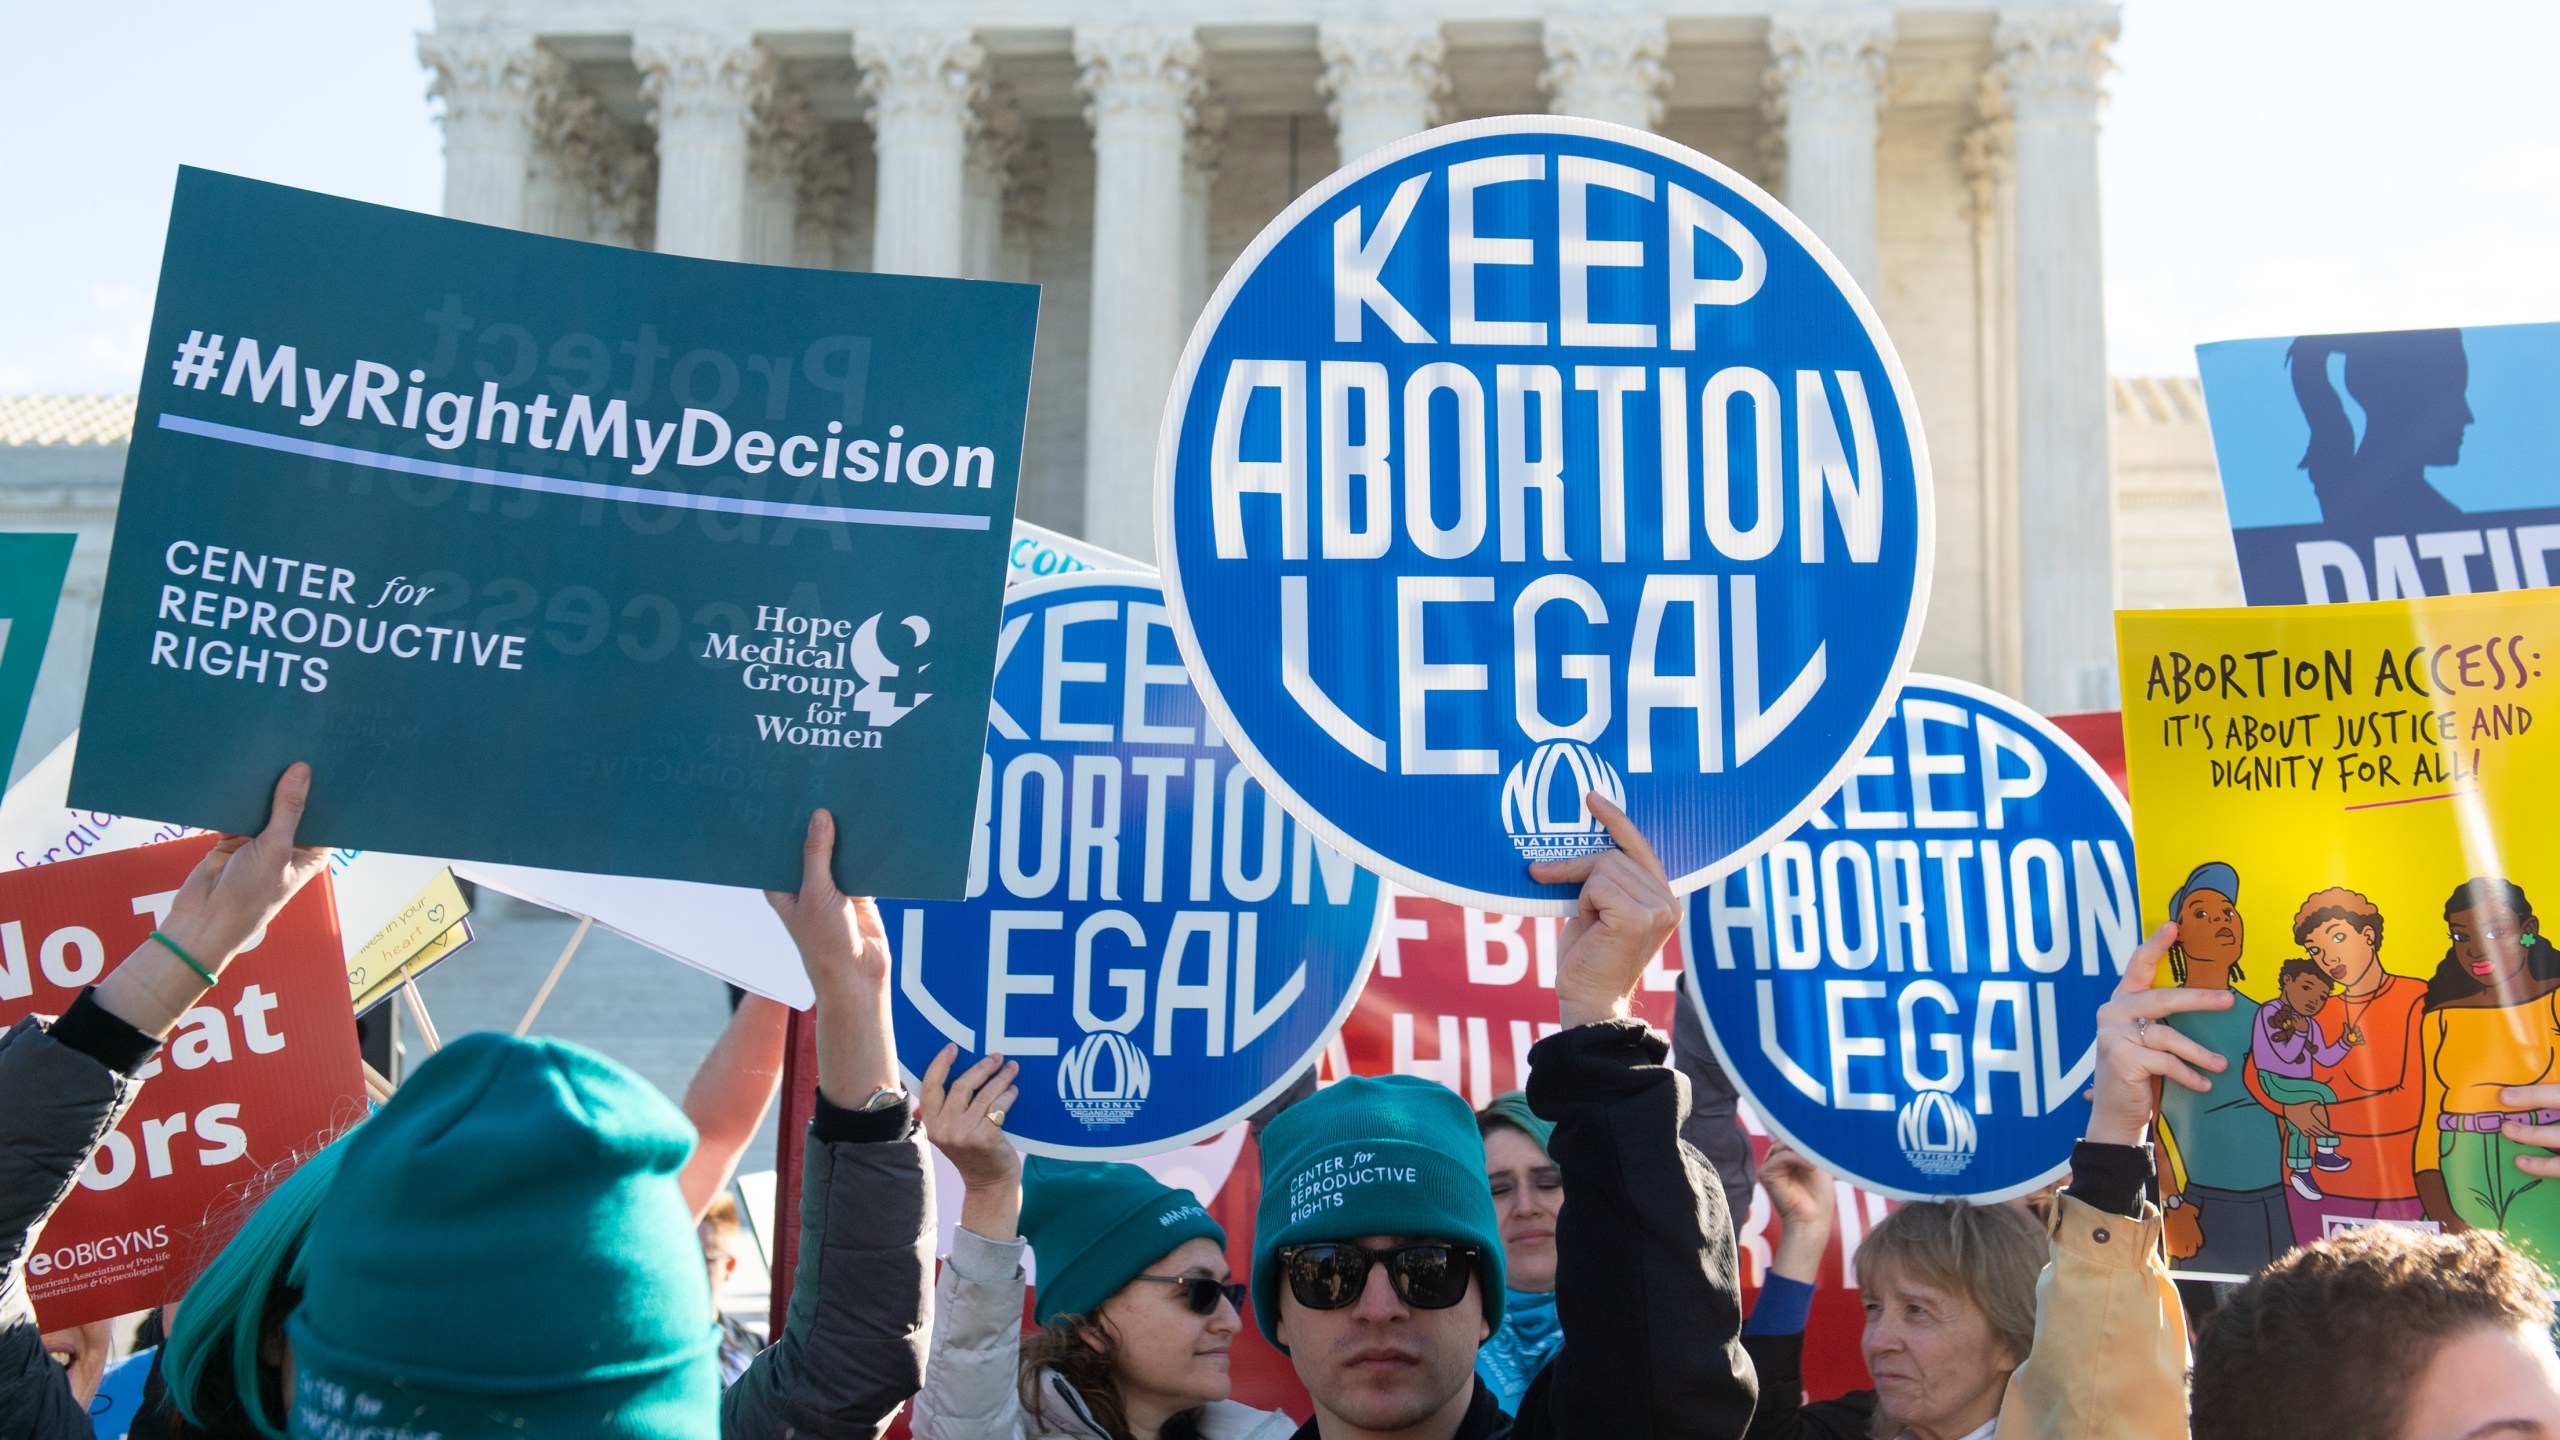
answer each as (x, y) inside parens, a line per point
(526, 1240)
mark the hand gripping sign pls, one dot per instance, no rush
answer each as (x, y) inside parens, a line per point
(258, 1074)
(1907, 987)
(1534, 456)
(1147, 932)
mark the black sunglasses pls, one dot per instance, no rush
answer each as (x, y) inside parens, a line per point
(1427, 1275)
(1200, 1293)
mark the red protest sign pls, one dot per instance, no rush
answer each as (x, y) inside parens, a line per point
(2101, 733)
(263, 1067)
(1460, 995)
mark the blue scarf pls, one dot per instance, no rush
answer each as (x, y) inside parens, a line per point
(1530, 1337)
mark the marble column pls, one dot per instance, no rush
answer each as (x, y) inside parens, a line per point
(1382, 81)
(1200, 156)
(923, 83)
(779, 152)
(1826, 87)
(1141, 81)
(2051, 63)
(995, 143)
(1606, 67)
(1990, 200)
(567, 154)
(706, 88)
(494, 88)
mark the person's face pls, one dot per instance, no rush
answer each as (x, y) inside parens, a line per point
(1168, 1354)
(2488, 1383)
(1528, 1191)
(2210, 931)
(718, 1260)
(2306, 994)
(1930, 1352)
(2343, 950)
(2489, 941)
(1378, 1363)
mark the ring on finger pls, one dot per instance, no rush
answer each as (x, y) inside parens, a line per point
(995, 1117)
(2142, 1028)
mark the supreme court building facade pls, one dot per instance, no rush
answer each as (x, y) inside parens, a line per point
(1121, 155)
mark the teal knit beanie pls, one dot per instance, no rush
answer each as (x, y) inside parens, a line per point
(505, 1251)
(1511, 1108)
(1095, 1227)
(1373, 1155)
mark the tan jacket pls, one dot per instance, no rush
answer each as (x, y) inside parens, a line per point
(2110, 1357)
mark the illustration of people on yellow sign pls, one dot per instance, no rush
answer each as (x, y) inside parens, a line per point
(2353, 762)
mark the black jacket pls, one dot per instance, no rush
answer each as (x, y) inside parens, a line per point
(1646, 1287)
(852, 1348)
(1783, 1412)
(57, 1102)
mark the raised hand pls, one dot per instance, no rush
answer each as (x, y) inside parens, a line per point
(237, 888)
(1807, 1206)
(2135, 1049)
(1626, 912)
(964, 1118)
(841, 941)
(845, 949)
(225, 904)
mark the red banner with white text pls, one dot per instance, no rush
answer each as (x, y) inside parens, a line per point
(259, 1072)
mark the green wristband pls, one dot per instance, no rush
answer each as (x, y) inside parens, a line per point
(183, 955)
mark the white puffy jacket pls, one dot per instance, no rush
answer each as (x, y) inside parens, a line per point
(969, 1375)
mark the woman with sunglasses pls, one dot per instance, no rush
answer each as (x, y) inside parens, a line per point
(1136, 1305)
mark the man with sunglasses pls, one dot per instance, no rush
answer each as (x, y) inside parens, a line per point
(1377, 1261)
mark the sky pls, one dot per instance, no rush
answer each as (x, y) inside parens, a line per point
(2270, 167)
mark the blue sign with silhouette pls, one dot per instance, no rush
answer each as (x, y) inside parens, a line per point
(2388, 465)
(1907, 987)
(1531, 458)
(1156, 942)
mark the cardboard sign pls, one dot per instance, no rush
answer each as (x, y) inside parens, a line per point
(2388, 465)
(1907, 988)
(1535, 456)
(262, 1071)
(426, 930)
(551, 553)
(31, 571)
(2342, 808)
(1146, 931)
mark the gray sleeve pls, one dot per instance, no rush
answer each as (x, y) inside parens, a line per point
(971, 1389)
(1713, 1125)
(59, 1105)
(852, 1348)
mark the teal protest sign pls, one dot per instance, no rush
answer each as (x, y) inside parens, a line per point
(31, 571)
(556, 554)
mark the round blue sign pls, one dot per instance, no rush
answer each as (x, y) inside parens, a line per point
(1532, 457)
(1157, 943)
(1907, 988)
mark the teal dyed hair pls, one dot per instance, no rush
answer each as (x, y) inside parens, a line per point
(212, 1360)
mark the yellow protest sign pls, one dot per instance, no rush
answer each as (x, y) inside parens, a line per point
(426, 930)
(2344, 808)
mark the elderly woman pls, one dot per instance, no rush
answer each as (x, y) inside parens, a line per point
(1950, 1292)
